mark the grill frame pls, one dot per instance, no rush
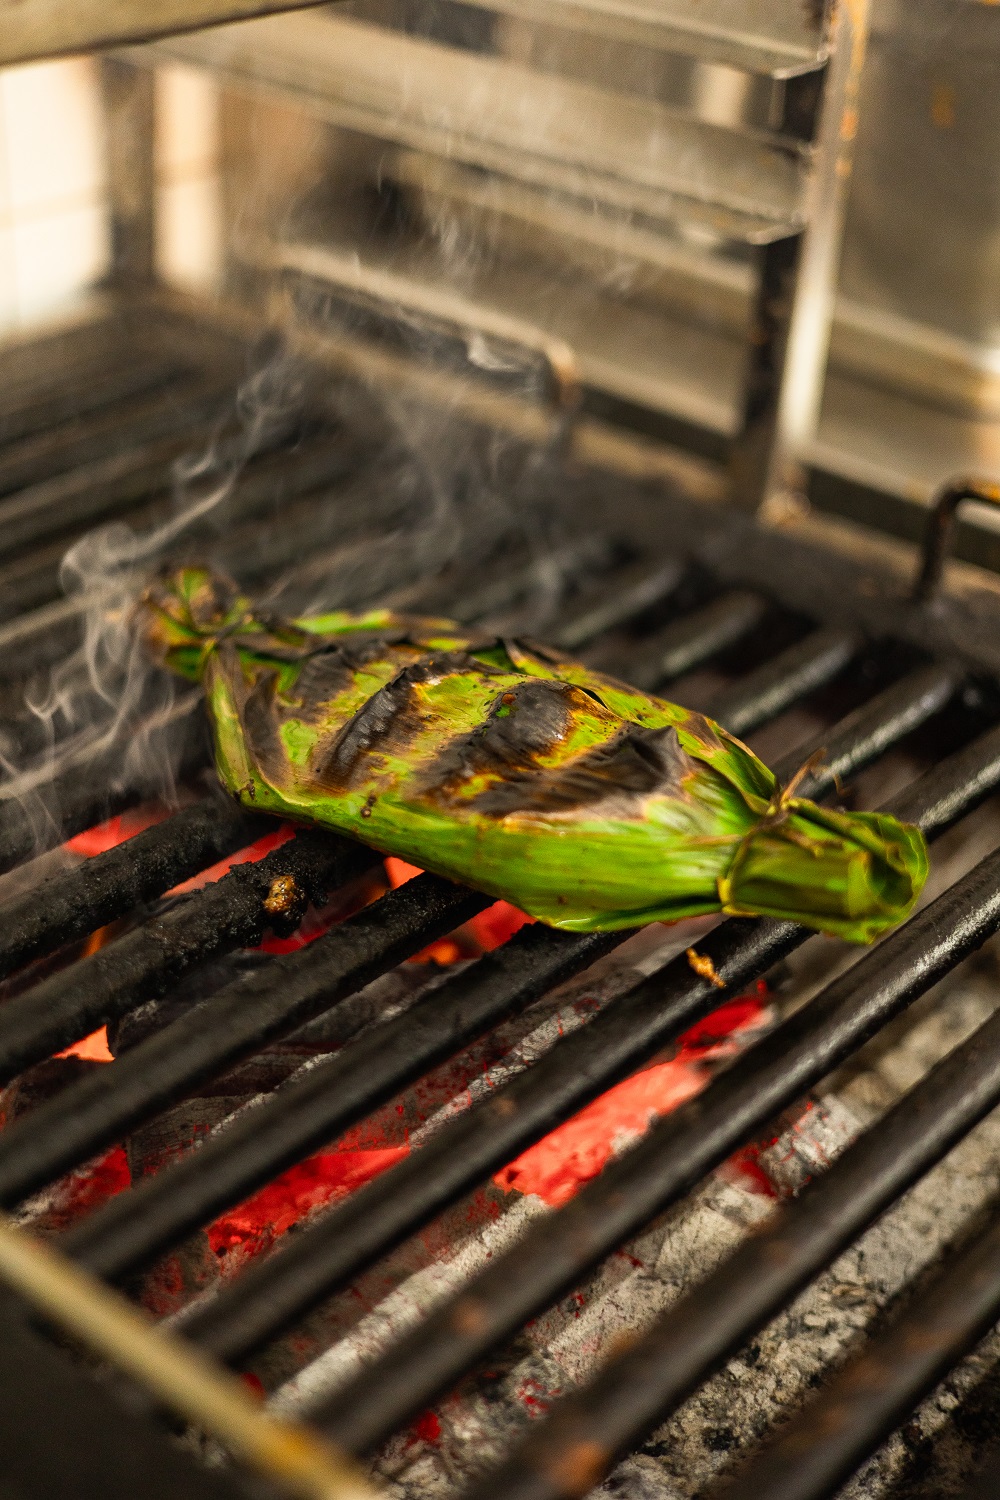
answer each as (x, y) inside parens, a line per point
(730, 575)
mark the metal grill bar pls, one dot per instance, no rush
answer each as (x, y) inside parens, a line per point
(229, 914)
(498, 590)
(135, 1227)
(79, 496)
(869, 1397)
(873, 728)
(633, 1393)
(87, 792)
(26, 463)
(671, 1158)
(62, 1435)
(240, 1019)
(69, 397)
(76, 902)
(619, 1040)
(72, 501)
(641, 589)
(691, 640)
(785, 680)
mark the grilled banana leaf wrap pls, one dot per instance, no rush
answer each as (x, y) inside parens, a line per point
(508, 766)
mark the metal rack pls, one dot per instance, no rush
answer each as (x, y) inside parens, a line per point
(649, 613)
(767, 176)
(741, 579)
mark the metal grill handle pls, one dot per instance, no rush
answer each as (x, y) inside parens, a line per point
(940, 527)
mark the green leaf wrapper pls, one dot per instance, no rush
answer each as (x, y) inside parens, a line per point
(513, 769)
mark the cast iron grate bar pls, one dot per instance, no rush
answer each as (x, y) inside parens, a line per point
(691, 640)
(200, 399)
(68, 400)
(871, 1394)
(785, 680)
(242, 1018)
(633, 592)
(139, 966)
(76, 902)
(557, 1252)
(633, 1393)
(873, 728)
(271, 1294)
(70, 502)
(137, 1226)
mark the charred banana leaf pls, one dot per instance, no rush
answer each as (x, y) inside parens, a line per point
(513, 769)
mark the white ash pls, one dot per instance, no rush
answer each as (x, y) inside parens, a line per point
(426, 1277)
(778, 1369)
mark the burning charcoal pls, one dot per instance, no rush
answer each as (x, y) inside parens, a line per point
(42, 1082)
(511, 768)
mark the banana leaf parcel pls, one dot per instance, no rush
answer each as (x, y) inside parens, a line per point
(509, 767)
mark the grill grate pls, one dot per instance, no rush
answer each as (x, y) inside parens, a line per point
(723, 588)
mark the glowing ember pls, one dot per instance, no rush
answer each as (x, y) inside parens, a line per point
(266, 1216)
(554, 1169)
(557, 1167)
(481, 934)
(115, 831)
(118, 830)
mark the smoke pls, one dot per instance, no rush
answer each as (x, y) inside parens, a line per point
(105, 711)
(433, 505)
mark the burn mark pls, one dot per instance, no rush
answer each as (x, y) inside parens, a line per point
(260, 720)
(523, 724)
(636, 763)
(528, 723)
(293, 645)
(550, 655)
(390, 715)
(703, 730)
(332, 670)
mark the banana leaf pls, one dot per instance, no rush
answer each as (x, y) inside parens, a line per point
(506, 765)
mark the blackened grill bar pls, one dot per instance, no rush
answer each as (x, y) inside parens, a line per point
(133, 1229)
(691, 640)
(872, 729)
(77, 902)
(634, 1393)
(239, 1020)
(640, 1022)
(139, 966)
(556, 1253)
(786, 679)
(64, 1436)
(871, 1394)
(70, 397)
(34, 459)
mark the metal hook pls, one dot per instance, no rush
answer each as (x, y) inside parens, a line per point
(940, 526)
